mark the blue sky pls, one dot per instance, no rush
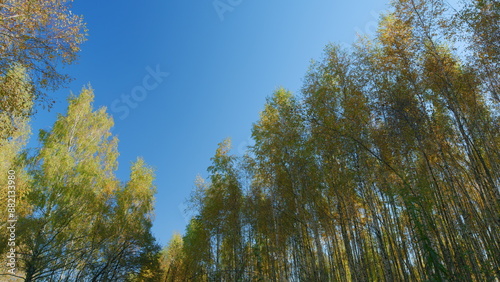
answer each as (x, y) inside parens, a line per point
(193, 76)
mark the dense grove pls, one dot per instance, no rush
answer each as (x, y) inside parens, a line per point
(385, 168)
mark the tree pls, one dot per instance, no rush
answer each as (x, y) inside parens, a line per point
(385, 169)
(16, 101)
(35, 38)
(480, 20)
(14, 182)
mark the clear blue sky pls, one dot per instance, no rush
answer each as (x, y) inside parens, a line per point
(221, 69)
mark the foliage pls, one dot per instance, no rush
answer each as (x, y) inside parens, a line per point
(385, 169)
(79, 222)
(35, 38)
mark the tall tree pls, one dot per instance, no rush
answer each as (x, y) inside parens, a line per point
(82, 222)
(386, 169)
(39, 35)
(36, 37)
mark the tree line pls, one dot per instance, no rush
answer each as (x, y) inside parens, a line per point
(384, 168)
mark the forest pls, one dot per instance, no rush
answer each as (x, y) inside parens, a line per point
(385, 167)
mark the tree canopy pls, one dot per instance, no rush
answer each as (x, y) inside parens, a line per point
(77, 220)
(36, 38)
(384, 168)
